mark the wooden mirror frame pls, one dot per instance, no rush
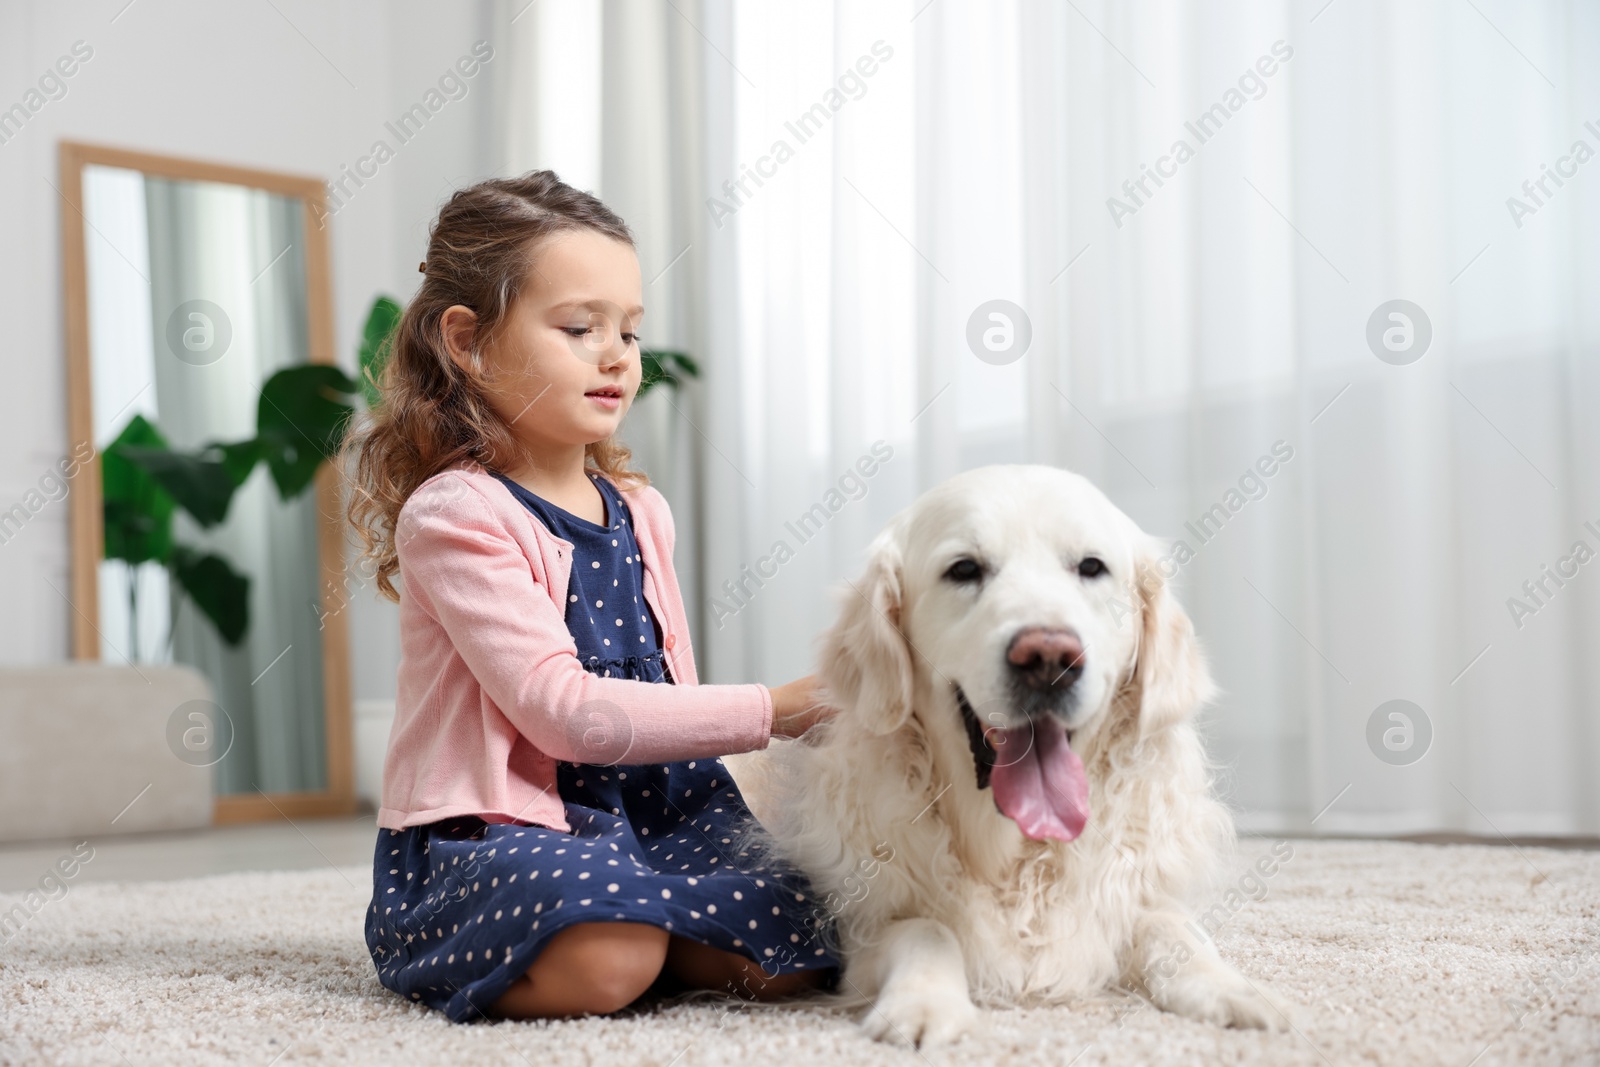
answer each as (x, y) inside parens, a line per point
(88, 520)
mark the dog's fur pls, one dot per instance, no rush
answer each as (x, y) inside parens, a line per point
(941, 902)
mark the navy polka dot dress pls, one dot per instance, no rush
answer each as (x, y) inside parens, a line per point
(461, 907)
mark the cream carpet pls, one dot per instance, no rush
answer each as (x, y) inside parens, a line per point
(1399, 953)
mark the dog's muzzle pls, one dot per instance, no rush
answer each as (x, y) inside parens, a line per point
(984, 755)
(1037, 780)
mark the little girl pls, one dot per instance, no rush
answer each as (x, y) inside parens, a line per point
(522, 868)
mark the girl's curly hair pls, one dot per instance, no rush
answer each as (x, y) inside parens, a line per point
(433, 413)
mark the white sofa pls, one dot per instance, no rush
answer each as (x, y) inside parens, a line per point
(84, 752)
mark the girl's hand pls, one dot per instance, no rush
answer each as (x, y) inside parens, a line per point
(798, 706)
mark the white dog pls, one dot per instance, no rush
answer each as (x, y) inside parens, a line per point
(1012, 806)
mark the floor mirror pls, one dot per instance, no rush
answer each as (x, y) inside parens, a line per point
(188, 286)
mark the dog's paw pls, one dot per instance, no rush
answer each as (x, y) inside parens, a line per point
(919, 1018)
(1227, 998)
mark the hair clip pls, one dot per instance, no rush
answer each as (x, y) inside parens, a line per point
(422, 268)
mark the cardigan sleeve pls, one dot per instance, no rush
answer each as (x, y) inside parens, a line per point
(468, 572)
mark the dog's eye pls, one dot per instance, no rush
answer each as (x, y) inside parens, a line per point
(964, 570)
(1091, 567)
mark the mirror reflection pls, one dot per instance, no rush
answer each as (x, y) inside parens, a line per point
(197, 297)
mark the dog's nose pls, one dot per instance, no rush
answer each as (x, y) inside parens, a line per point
(1046, 658)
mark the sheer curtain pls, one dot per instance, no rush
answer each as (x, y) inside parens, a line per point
(1376, 509)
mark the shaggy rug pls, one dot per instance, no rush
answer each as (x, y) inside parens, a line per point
(1397, 953)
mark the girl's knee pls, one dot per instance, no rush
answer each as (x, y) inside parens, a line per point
(593, 968)
(611, 964)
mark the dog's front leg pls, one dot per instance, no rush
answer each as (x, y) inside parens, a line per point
(916, 972)
(1183, 973)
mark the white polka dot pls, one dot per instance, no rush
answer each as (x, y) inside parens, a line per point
(599, 603)
(574, 599)
(595, 564)
(612, 888)
(666, 893)
(752, 924)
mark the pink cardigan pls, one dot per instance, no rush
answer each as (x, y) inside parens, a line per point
(490, 691)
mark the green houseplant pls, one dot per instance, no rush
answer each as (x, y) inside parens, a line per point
(301, 417)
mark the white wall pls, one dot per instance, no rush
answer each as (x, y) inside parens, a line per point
(304, 91)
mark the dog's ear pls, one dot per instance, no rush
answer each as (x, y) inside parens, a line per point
(1169, 672)
(866, 661)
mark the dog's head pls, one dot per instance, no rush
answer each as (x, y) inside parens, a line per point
(1016, 606)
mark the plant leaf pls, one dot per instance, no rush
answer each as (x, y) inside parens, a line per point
(376, 340)
(201, 485)
(219, 591)
(138, 512)
(300, 421)
(655, 369)
(240, 458)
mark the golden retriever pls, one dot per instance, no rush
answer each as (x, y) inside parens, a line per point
(1012, 806)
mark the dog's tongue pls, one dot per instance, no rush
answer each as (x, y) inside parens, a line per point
(1043, 791)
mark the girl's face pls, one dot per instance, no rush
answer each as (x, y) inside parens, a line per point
(565, 366)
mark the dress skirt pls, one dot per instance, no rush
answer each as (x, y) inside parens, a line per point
(462, 907)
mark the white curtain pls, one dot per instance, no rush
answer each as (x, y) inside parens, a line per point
(855, 181)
